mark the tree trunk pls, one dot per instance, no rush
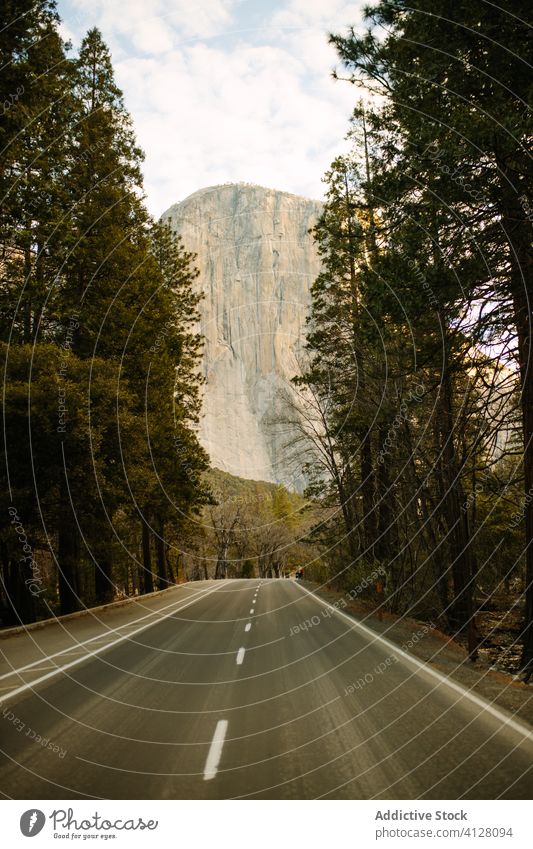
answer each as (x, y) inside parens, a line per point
(367, 488)
(387, 533)
(461, 610)
(517, 230)
(523, 322)
(68, 555)
(19, 600)
(172, 574)
(162, 579)
(104, 589)
(347, 513)
(148, 579)
(28, 286)
(220, 572)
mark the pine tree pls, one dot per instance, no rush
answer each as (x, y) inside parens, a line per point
(120, 285)
(168, 380)
(106, 299)
(35, 138)
(458, 123)
(34, 142)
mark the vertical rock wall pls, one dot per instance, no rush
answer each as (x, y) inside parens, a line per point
(257, 263)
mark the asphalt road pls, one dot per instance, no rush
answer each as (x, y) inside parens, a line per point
(219, 693)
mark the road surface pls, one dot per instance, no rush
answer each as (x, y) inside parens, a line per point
(215, 690)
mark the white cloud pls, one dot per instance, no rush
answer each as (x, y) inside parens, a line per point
(214, 100)
(153, 26)
(322, 14)
(214, 116)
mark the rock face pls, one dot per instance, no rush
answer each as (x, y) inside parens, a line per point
(257, 263)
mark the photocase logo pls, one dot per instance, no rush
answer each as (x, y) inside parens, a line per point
(32, 822)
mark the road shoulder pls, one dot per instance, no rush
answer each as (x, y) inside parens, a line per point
(439, 651)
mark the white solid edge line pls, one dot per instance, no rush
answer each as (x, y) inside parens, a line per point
(477, 700)
(35, 669)
(248, 626)
(240, 656)
(215, 750)
(101, 649)
(102, 636)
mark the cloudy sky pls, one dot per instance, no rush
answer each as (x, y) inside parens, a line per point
(226, 90)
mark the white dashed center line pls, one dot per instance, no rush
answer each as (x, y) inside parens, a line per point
(240, 656)
(215, 750)
(252, 610)
(248, 626)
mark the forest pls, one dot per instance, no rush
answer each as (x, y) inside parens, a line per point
(97, 314)
(107, 491)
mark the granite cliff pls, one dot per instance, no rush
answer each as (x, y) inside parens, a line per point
(257, 263)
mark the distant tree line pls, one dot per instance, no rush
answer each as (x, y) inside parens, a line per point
(99, 354)
(418, 395)
(255, 529)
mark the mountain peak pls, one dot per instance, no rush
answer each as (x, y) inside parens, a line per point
(239, 187)
(257, 263)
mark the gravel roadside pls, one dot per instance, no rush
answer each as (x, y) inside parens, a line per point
(438, 649)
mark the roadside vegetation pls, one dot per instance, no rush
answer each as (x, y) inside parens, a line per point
(419, 387)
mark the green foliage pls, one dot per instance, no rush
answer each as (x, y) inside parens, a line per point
(97, 312)
(254, 528)
(423, 306)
